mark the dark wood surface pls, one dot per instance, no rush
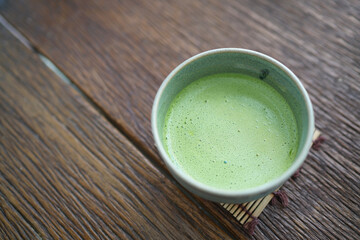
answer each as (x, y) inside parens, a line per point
(117, 53)
(66, 172)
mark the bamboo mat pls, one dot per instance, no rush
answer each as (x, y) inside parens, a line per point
(247, 212)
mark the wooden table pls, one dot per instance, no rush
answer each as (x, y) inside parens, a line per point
(77, 157)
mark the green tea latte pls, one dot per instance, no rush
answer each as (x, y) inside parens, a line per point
(230, 131)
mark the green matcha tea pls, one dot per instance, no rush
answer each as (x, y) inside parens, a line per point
(230, 131)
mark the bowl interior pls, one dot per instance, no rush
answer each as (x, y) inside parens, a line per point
(233, 62)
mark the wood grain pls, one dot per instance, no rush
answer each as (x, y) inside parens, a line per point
(65, 172)
(118, 53)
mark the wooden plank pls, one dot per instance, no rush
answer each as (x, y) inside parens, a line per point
(118, 53)
(65, 172)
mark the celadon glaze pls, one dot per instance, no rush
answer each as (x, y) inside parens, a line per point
(230, 131)
(255, 65)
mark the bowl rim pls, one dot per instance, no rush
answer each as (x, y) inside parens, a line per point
(213, 191)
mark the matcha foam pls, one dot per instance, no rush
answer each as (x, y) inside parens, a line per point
(231, 132)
